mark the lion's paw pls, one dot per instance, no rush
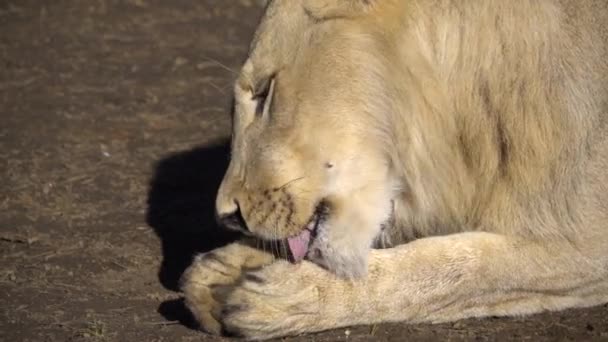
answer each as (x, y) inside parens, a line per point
(206, 272)
(277, 300)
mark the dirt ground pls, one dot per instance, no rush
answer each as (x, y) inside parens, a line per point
(113, 127)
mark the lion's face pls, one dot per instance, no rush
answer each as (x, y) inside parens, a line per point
(307, 163)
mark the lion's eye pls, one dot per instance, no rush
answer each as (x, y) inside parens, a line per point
(263, 96)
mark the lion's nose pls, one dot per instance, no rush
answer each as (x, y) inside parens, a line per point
(233, 220)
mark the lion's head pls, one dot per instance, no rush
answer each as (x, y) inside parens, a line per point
(308, 163)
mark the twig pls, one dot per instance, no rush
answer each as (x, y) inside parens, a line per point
(18, 84)
(119, 264)
(73, 287)
(13, 240)
(373, 330)
(164, 323)
(54, 253)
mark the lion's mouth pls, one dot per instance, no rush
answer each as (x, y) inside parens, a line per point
(299, 244)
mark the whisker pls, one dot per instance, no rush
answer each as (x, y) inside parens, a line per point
(271, 250)
(284, 249)
(275, 247)
(300, 192)
(223, 66)
(290, 182)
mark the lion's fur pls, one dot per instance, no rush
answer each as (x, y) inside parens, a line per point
(483, 112)
(438, 117)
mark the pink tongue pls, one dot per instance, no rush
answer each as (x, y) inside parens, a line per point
(299, 245)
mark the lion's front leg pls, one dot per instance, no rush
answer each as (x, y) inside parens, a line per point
(429, 280)
(219, 267)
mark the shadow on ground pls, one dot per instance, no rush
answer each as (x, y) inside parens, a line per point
(181, 209)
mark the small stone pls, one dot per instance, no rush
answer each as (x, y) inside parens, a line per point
(46, 188)
(179, 61)
(104, 150)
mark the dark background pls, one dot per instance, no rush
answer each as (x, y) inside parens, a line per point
(113, 127)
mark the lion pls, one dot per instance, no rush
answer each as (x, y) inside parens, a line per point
(416, 161)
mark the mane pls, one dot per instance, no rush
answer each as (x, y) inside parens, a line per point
(481, 130)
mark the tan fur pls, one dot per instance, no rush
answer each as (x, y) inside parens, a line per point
(467, 138)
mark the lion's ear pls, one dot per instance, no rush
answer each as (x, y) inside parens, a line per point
(327, 9)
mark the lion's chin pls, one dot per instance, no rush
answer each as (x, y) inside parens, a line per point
(315, 244)
(340, 252)
(347, 262)
(344, 253)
